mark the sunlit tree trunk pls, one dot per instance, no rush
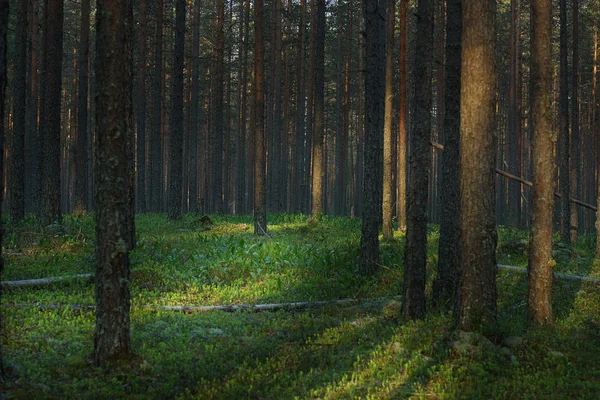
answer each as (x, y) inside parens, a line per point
(402, 114)
(388, 122)
(539, 304)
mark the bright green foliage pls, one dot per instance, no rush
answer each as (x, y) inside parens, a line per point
(350, 351)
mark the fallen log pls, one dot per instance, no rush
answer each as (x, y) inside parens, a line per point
(43, 281)
(556, 274)
(299, 305)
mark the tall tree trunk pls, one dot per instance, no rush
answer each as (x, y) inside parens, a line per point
(3, 78)
(575, 175)
(298, 178)
(176, 166)
(514, 139)
(375, 13)
(310, 102)
(227, 156)
(81, 143)
(539, 304)
(155, 145)
(343, 161)
(260, 203)
(275, 168)
(219, 132)
(388, 122)
(415, 256)
(319, 129)
(477, 293)
(31, 140)
(51, 206)
(565, 190)
(141, 110)
(241, 191)
(194, 109)
(402, 116)
(17, 153)
(114, 126)
(446, 282)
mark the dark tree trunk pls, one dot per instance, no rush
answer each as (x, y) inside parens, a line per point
(388, 122)
(445, 284)
(476, 304)
(17, 153)
(373, 142)
(219, 131)
(194, 110)
(402, 125)
(81, 142)
(575, 175)
(565, 190)
(3, 78)
(539, 307)
(31, 140)
(275, 171)
(260, 199)
(514, 138)
(155, 145)
(306, 194)
(51, 210)
(297, 179)
(415, 256)
(141, 110)
(113, 124)
(343, 161)
(176, 166)
(319, 129)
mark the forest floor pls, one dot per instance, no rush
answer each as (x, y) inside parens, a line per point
(358, 350)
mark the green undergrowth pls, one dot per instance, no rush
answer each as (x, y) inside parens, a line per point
(361, 350)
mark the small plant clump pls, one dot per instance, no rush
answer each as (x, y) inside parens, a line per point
(361, 348)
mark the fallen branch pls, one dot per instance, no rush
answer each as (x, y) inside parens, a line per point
(524, 182)
(556, 275)
(44, 281)
(231, 308)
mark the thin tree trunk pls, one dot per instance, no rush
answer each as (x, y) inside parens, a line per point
(388, 122)
(176, 166)
(155, 151)
(306, 195)
(476, 304)
(539, 304)
(298, 178)
(17, 153)
(141, 110)
(81, 146)
(565, 209)
(260, 203)
(575, 173)
(402, 114)
(343, 161)
(219, 132)
(319, 129)
(4, 4)
(114, 126)
(31, 141)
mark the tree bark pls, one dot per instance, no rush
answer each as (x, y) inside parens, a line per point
(260, 203)
(388, 122)
(114, 126)
(141, 109)
(575, 148)
(319, 129)
(375, 17)
(476, 304)
(446, 282)
(81, 142)
(50, 188)
(539, 304)
(219, 132)
(17, 153)
(32, 139)
(402, 116)
(565, 190)
(4, 6)
(415, 255)
(176, 166)
(155, 144)
(243, 89)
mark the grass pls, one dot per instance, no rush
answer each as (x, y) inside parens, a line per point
(360, 350)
